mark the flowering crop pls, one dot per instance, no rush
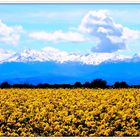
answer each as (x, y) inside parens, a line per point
(69, 112)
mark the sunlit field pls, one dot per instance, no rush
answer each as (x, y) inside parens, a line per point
(69, 112)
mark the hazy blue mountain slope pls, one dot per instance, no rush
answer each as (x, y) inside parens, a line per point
(52, 72)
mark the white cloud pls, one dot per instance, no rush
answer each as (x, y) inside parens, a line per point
(58, 36)
(10, 34)
(98, 25)
(130, 35)
(113, 36)
(103, 30)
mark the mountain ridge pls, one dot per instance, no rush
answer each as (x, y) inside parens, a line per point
(51, 54)
(69, 72)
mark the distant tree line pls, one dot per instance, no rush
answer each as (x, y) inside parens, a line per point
(97, 83)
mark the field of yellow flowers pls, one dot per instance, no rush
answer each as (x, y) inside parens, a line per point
(69, 112)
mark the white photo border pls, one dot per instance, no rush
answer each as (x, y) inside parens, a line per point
(69, 2)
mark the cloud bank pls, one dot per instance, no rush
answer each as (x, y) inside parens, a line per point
(99, 25)
(58, 36)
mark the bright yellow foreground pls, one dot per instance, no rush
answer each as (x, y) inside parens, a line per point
(69, 112)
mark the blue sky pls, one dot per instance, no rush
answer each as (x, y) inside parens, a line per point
(71, 28)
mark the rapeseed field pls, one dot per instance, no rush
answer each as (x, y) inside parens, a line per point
(69, 112)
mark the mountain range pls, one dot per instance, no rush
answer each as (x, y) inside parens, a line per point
(35, 68)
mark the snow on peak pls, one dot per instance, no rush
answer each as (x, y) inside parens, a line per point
(53, 54)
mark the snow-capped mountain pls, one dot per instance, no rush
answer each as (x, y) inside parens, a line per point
(25, 56)
(54, 66)
(51, 54)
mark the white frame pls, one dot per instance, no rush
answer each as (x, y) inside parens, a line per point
(69, 1)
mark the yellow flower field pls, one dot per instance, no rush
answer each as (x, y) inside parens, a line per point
(69, 112)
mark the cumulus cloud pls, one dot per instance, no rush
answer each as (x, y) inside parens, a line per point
(10, 34)
(58, 36)
(113, 36)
